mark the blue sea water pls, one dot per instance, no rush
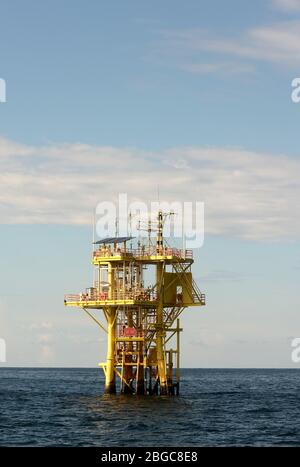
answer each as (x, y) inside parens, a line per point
(65, 407)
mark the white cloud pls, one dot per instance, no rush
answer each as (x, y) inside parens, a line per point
(217, 67)
(208, 338)
(246, 194)
(222, 276)
(287, 5)
(277, 43)
(44, 341)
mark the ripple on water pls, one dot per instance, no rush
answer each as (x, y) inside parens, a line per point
(63, 407)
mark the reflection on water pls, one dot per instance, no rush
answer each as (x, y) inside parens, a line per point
(127, 405)
(137, 416)
(217, 407)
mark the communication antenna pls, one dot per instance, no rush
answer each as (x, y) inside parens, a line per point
(117, 226)
(93, 228)
(149, 233)
(130, 229)
(138, 226)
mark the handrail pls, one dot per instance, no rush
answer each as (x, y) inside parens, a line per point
(144, 253)
(143, 296)
(137, 295)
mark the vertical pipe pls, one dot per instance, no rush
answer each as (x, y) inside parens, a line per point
(110, 380)
(140, 379)
(128, 371)
(150, 379)
(110, 280)
(178, 357)
(124, 282)
(161, 364)
(170, 373)
(159, 238)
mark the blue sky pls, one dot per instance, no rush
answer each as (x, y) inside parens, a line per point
(109, 97)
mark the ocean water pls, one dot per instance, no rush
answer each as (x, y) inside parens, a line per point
(65, 407)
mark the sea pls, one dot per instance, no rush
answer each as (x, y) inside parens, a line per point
(217, 407)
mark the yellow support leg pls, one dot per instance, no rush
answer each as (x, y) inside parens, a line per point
(110, 378)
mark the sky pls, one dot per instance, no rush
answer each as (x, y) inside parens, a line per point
(117, 97)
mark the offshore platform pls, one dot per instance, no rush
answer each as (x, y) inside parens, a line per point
(142, 317)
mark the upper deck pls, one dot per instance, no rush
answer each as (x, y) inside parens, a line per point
(120, 277)
(143, 254)
(133, 298)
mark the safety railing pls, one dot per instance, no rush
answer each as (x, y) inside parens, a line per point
(143, 252)
(73, 297)
(136, 295)
(106, 253)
